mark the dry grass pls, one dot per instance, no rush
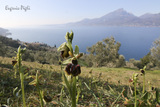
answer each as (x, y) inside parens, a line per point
(117, 78)
(112, 75)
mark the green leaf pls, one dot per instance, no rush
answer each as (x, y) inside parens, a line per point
(61, 47)
(145, 96)
(111, 90)
(67, 84)
(23, 50)
(93, 95)
(65, 62)
(33, 82)
(71, 36)
(144, 67)
(76, 50)
(70, 46)
(18, 93)
(14, 90)
(67, 36)
(26, 76)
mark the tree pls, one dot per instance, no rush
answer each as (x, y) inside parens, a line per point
(105, 52)
(155, 51)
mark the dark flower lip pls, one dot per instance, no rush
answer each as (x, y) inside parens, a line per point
(77, 70)
(142, 71)
(68, 68)
(73, 69)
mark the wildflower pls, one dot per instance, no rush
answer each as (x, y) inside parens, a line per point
(73, 68)
(76, 70)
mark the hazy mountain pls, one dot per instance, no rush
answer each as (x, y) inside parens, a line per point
(4, 32)
(121, 17)
(150, 19)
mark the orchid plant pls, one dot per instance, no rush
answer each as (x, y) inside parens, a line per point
(72, 69)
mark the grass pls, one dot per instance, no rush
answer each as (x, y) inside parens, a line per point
(106, 83)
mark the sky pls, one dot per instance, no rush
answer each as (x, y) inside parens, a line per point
(14, 13)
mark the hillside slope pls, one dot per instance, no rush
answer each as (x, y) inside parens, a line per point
(35, 51)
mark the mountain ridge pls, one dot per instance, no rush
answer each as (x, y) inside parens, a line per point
(121, 17)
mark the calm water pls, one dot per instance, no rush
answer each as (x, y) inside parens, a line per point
(135, 41)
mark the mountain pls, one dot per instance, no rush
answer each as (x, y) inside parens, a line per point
(4, 32)
(121, 17)
(150, 19)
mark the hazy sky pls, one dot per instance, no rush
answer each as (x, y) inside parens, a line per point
(39, 12)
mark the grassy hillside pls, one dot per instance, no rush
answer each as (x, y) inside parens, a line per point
(38, 80)
(106, 83)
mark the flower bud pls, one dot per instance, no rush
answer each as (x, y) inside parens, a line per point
(64, 54)
(64, 50)
(80, 55)
(130, 80)
(74, 61)
(14, 62)
(71, 36)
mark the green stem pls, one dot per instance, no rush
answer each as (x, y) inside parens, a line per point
(22, 87)
(61, 97)
(78, 93)
(39, 91)
(74, 92)
(135, 104)
(143, 83)
(41, 97)
(21, 77)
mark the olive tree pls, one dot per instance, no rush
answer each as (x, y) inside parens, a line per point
(105, 53)
(155, 52)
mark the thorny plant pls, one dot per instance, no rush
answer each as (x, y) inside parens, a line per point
(72, 69)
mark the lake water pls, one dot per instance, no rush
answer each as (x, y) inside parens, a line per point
(135, 41)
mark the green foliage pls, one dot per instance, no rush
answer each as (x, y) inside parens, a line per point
(72, 69)
(35, 51)
(155, 50)
(18, 62)
(105, 53)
